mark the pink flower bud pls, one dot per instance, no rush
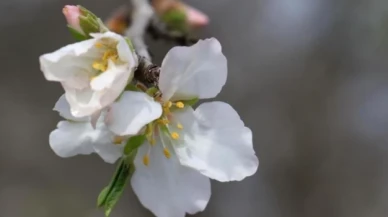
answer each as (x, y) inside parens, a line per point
(72, 14)
(195, 17)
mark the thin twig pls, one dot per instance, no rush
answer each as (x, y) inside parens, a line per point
(141, 14)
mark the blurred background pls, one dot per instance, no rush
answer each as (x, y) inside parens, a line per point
(309, 77)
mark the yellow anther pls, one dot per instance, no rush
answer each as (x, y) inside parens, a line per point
(175, 135)
(180, 126)
(110, 54)
(168, 104)
(152, 141)
(163, 121)
(166, 153)
(146, 160)
(118, 140)
(179, 104)
(99, 66)
(98, 45)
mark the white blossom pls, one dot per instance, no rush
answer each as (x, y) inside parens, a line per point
(93, 72)
(186, 147)
(75, 136)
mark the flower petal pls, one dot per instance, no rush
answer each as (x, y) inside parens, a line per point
(70, 64)
(216, 142)
(166, 188)
(103, 144)
(63, 107)
(71, 139)
(196, 71)
(132, 112)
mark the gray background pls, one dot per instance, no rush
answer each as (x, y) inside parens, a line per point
(309, 77)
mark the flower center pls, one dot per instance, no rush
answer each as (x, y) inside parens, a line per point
(109, 53)
(166, 128)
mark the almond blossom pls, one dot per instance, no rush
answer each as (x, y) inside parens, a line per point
(186, 147)
(93, 72)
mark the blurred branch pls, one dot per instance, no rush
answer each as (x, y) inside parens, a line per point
(142, 13)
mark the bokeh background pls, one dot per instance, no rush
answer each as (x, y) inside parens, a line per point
(309, 77)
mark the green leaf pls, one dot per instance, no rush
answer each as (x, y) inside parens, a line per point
(111, 194)
(102, 197)
(78, 36)
(133, 143)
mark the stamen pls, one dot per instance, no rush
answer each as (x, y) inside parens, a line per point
(98, 45)
(166, 153)
(152, 141)
(168, 104)
(180, 105)
(146, 160)
(99, 66)
(117, 140)
(163, 121)
(180, 126)
(175, 135)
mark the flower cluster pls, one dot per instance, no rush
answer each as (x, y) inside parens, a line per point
(180, 147)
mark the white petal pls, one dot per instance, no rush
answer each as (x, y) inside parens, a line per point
(216, 143)
(83, 102)
(109, 78)
(103, 145)
(70, 64)
(123, 49)
(132, 112)
(196, 71)
(166, 188)
(71, 139)
(63, 107)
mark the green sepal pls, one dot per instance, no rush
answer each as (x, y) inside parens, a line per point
(152, 91)
(190, 102)
(133, 143)
(78, 36)
(111, 194)
(86, 12)
(129, 42)
(88, 25)
(176, 19)
(132, 87)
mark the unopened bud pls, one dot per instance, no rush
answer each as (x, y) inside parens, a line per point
(82, 22)
(196, 18)
(72, 14)
(178, 15)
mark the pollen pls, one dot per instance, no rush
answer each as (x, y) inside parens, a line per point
(146, 160)
(163, 121)
(180, 126)
(98, 45)
(168, 104)
(110, 55)
(117, 140)
(175, 135)
(99, 66)
(180, 105)
(166, 153)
